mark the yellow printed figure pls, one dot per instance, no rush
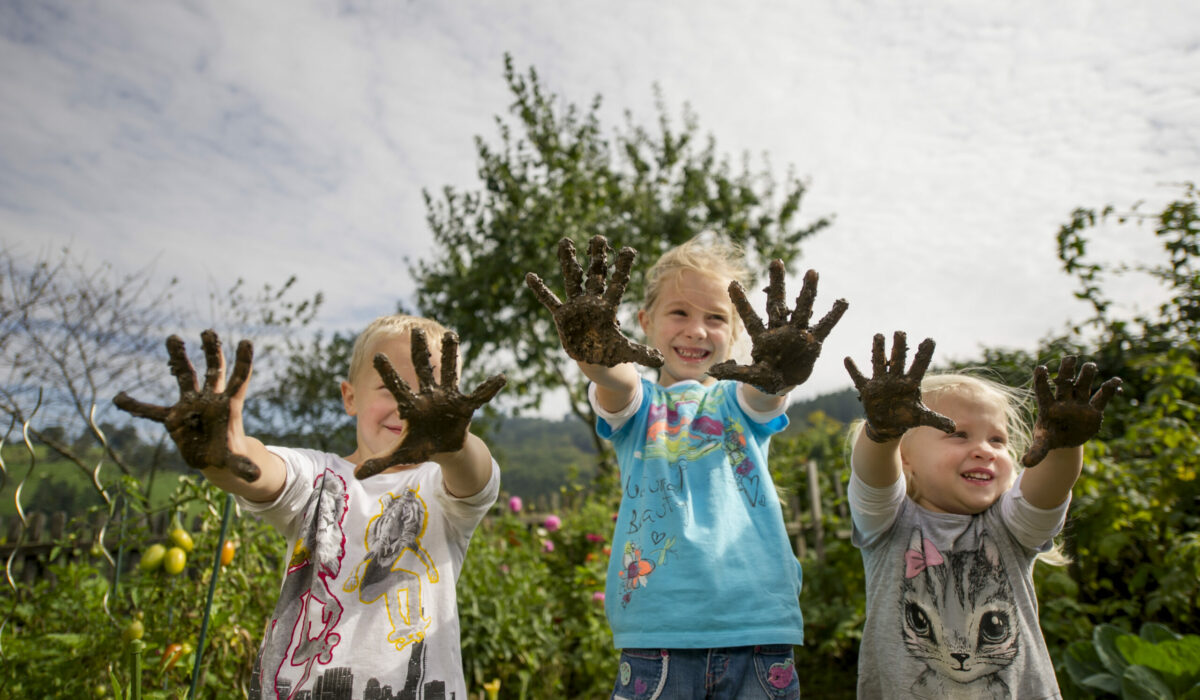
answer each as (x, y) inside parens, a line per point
(393, 542)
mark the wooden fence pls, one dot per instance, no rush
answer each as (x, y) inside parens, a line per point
(27, 547)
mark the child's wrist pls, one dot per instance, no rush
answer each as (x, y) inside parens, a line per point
(880, 436)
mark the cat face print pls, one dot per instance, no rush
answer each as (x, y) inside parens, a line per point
(957, 614)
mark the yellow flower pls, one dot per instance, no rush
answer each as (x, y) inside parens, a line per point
(493, 689)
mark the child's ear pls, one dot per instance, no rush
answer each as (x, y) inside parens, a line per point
(644, 321)
(348, 398)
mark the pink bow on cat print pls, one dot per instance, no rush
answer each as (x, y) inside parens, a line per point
(915, 562)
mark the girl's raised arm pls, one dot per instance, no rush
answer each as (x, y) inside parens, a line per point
(891, 400)
(1068, 416)
(587, 321)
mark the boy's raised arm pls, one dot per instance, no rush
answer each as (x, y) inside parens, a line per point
(1068, 416)
(785, 350)
(891, 400)
(587, 321)
(206, 421)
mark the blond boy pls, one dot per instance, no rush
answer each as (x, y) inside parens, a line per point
(376, 539)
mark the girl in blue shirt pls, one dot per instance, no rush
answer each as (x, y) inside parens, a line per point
(702, 586)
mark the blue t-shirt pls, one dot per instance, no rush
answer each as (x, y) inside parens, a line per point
(700, 555)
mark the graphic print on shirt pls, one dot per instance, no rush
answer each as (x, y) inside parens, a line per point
(305, 597)
(745, 471)
(958, 619)
(389, 570)
(677, 434)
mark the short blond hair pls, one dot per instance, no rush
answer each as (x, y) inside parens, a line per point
(708, 254)
(393, 326)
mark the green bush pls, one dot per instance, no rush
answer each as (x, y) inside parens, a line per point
(529, 608)
(65, 635)
(1155, 664)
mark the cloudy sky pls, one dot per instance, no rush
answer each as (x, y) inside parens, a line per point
(263, 139)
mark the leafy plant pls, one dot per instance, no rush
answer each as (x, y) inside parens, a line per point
(1156, 664)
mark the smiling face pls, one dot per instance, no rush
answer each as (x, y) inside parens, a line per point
(964, 471)
(379, 427)
(691, 324)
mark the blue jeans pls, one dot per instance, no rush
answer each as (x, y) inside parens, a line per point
(764, 672)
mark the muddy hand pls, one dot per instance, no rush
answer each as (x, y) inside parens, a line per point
(199, 421)
(785, 350)
(587, 320)
(891, 398)
(436, 415)
(1067, 417)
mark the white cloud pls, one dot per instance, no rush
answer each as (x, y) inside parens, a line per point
(274, 138)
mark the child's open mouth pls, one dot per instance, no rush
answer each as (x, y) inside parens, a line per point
(692, 354)
(978, 477)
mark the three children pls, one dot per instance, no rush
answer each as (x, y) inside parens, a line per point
(702, 587)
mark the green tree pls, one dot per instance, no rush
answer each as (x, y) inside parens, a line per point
(554, 173)
(1134, 524)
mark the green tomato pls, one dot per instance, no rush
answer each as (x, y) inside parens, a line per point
(174, 560)
(134, 630)
(152, 558)
(182, 539)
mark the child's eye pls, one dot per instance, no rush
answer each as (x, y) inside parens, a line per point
(960, 434)
(717, 318)
(678, 312)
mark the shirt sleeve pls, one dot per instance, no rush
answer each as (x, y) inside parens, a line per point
(1033, 527)
(285, 511)
(874, 509)
(619, 418)
(464, 514)
(758, 416)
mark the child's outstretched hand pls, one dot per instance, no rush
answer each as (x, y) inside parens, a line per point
(1066, 416)
(784, 351)
(206, 420)
(436, 416)
(587, 320)
(891, 398)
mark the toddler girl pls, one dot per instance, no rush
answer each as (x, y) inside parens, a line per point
(949, 529)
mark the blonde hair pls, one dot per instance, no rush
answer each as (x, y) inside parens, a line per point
(971, 384)
(708, 254)
(393, 326)
(1013, 401)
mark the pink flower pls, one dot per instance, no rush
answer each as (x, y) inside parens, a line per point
(547, 546)
(514, 504)
(598, 597)
(552, 523)
(593, 537)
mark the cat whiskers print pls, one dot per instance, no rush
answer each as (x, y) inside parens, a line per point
(958, 619)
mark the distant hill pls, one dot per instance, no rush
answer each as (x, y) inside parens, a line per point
(538, 456)
(841, 405)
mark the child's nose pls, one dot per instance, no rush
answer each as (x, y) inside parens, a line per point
(985, 450)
